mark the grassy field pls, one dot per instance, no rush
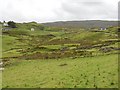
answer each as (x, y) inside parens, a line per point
(101, 71)
(52, 57)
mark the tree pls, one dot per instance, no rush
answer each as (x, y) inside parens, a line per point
(12, 24)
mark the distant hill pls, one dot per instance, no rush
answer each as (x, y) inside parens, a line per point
(83, 24)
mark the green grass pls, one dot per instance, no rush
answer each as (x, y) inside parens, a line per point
(0, 46)
(8, 42)
(100, 71)
(53, 46)
(63, 73)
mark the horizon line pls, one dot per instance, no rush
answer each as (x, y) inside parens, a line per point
(56, 21)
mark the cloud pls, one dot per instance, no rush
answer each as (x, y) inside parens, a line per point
(90, 10)
(57, 10)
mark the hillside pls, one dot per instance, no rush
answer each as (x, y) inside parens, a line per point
(57, 57)
(83, 24)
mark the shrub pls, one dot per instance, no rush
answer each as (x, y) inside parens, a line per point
(12, 24)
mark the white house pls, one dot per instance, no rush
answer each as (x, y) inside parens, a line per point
(102, 28)
(5, 24)
(32, 29)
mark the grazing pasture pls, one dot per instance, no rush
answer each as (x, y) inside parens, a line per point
(57, 57)
(89, 72)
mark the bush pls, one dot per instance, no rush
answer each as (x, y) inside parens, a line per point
(41, 27)
(12, 24)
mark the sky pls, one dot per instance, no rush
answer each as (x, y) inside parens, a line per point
(58, 10)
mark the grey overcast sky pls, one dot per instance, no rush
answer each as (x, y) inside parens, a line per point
(58, 10)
